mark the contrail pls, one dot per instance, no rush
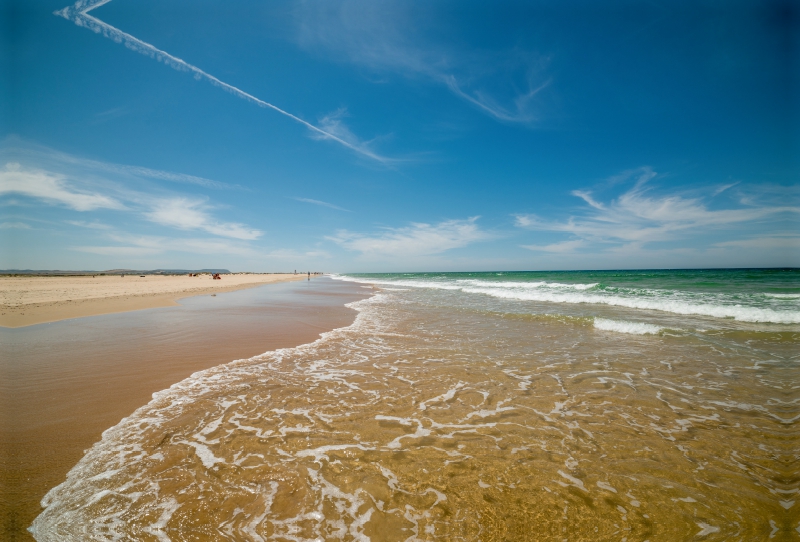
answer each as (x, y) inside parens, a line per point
(78, 13)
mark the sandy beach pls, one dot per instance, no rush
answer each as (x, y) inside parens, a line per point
(458, 407)
(29, 300)
(66, 382)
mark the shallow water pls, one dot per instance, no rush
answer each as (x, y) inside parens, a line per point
(62, 384)
(445, 414)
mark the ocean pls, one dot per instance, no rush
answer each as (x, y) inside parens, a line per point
(608, 405)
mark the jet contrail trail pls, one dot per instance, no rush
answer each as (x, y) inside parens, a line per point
(78, 13)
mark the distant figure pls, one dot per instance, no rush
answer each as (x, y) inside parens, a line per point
(309, 275)
(295, 271)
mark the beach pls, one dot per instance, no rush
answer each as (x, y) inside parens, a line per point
(561, 287)
(584, 406)
(64, 383)
(26, 300)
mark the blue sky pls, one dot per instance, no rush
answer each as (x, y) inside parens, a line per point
(394, 136)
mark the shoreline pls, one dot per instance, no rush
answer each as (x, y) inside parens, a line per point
(32, 300)
(73, 380)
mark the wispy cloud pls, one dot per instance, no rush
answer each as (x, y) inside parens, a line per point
(522, 110)
(388, 36)
(723, 188)
(90, 225)
(187, 214)
(295, 255)
(564, 246)
(78, 13)
(333, 125)
(81, 185)
(14, 226)
(145, 245)
(109, 114)
(16, 149)
(51, 187)
(640, 215)
(784, 242)
(322, 203)
(137, 171)
(415, 240)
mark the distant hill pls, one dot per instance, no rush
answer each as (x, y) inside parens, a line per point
(59, 272)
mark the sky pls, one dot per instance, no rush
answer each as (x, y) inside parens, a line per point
(362, 136)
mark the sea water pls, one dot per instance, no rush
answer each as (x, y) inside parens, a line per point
(647, 405)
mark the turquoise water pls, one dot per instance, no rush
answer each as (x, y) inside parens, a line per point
(766, 296)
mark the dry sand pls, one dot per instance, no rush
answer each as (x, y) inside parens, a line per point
(28, 300)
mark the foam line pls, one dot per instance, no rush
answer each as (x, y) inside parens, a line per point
(621, 326)
(673, 301)
(78, 13)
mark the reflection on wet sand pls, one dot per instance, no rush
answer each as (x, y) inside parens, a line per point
(63, 384)
(424, 421)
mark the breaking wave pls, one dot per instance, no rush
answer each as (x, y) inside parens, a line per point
(736, 307)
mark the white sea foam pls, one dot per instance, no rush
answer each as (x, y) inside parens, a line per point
(706, 529)
(66, 515)
(444, 397)
(530, 285)
(676, 302)
(205, 454)
(606, 486)
(621, 326)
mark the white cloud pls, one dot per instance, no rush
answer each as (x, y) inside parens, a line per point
(14, 226)
(587, 197)
(789, 243)
(137, 171)
(88, 185)
(389, 36)
(332, 126)
(57, 189)
(520, 112)
(52, 188)
(187, 214)
(90, 225)
(565, 246)
(640, 216)
(322, 203)
(527, 221)
(723, 188)
(26, 152)
(415, 240)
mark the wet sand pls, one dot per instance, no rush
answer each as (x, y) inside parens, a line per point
(64, 383)
(439, 416)
(29, 300)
